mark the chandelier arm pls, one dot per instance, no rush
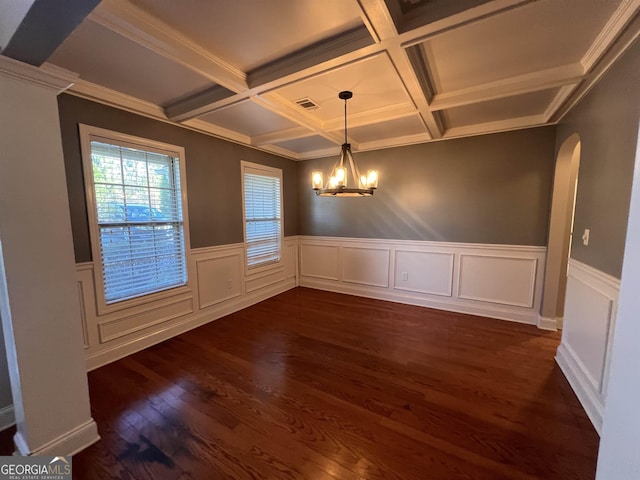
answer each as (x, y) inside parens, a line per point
(333, 172)
(354, 169)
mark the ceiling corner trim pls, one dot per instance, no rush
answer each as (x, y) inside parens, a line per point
(616, 24)
(47, 75)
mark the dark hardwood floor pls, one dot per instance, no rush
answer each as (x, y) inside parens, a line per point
(317, 385)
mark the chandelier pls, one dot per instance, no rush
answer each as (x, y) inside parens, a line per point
(345, 179)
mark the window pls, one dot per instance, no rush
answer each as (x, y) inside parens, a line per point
(262, 189)
(136, 212)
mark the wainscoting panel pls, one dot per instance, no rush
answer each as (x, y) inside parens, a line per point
(497, 279)
(219, 278)
(366, 266)
(87, 301)
(500, 281)
(219, 287)
(162, 313)
(589, 318)
(319, 260)
(424, 272)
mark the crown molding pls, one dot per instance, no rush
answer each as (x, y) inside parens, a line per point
(49, 76)
(614, 26)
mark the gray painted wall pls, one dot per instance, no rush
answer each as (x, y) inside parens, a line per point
(213, 174)
(607, 122)
(5, 383)
(487, 189)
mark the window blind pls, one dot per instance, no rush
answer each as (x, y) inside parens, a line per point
(263, 224)
(139, 212)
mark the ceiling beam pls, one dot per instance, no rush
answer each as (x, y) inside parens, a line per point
(378, 14)
(318, 53)
(368, 117)
(332, 54)
(32, 30)
(137, 25)
(507, 87)
(466, 17)
(378, 19)
(496, 126)
(280, 136)
(200, 103)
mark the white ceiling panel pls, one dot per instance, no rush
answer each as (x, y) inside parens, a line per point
(537, 36)
(308, 144)
(251, 33)
(400, 127)
(249, 119)
(107, 59)
(374, 82)
(534, 103)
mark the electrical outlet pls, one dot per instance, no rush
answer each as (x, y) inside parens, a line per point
(405, 276)
(585, 237)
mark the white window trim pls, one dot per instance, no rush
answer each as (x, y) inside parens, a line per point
(273, 172)
(90, 133)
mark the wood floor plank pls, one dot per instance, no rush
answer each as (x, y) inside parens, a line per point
(318, 385)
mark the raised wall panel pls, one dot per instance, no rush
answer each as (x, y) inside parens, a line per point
(587, 330)
(83, 315)
(319, 261)
(253, 283)
(424, 272)
(366, 266)
(164, 312)
(497, 279)
(218, 279)
(589, 321)
(87, 304)
(289, 255)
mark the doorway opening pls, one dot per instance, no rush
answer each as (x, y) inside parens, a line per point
(565, 185)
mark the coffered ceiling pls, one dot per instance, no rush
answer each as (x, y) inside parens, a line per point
(420, 70)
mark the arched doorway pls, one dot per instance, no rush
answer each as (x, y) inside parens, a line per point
(560, 233)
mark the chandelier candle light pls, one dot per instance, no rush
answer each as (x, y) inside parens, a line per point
(345, 179)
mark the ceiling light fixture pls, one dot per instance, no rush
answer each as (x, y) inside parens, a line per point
(345, 182)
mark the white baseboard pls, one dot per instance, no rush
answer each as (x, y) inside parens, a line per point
(115, 352)
(445, 303)
(69, 443)
(7, 417)
(550, 324)
(578, 378)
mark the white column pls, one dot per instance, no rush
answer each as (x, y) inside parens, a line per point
(620, 442)
(38, 287)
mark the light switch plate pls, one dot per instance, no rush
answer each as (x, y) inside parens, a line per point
(585, 237)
